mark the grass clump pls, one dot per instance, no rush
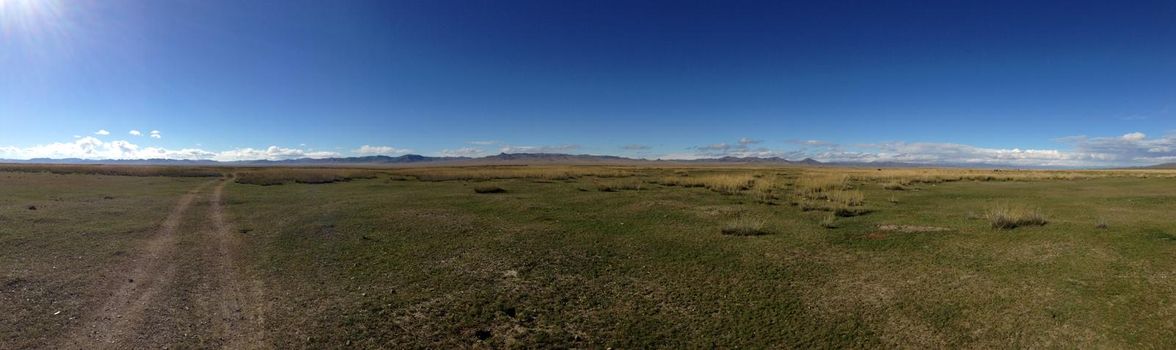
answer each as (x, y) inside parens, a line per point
(489, 189)
(277, 175)
(620, 185)
(830, 221)
(1007, 218)
(745, 226)
(728, 183)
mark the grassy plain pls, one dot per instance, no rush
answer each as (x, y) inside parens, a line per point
(630, 257)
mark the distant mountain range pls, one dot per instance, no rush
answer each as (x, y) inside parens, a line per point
(1162, 166)
(501, 158)
(515, 159)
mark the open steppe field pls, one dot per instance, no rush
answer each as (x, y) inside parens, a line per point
(585, 257)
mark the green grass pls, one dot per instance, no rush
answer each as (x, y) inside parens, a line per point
(433, 264)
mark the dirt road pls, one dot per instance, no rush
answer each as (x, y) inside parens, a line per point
(186, 287)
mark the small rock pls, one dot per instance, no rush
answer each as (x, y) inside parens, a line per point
(56, 313)
(130, 280)
(32, 207)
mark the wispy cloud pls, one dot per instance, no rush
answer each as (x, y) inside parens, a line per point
(379, 150)
(102, 132)
(812, 143)
(748, 141)
(155, 134)
(741, 148)
(135, 133)
(483, 143)
(635, 147)
(539, 149)
(463, 152)
(1128, 149)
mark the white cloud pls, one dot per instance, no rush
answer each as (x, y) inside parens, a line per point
(950, 153)
(270, 153)
(102, 132)
(463, 152)
(1135, 136)
(539, 149)
(135, 133)
(1129, 149)
(379, 150)
(89, 147)
(155, 134)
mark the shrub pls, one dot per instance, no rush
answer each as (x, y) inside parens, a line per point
(894, 186)
(489, 189)
(1101, 224)
(744, 226)
(1007, 218)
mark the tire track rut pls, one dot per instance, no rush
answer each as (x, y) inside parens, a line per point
(235, 302)
(241, 309)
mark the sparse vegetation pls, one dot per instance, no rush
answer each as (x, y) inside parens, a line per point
(553, 172)
(1005, 217)
(722, 183)
(277, 176)
(426, 263)
(744, 226)
(117, 170)
(829, 221)
(619, 185)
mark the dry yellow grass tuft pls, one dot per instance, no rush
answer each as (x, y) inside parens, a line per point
(278, 176)
(722, 183)
(830, 221)
(1006, 218)
(619, 185)
(553, 172)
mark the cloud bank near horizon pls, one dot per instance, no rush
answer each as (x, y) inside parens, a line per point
(1134, 148)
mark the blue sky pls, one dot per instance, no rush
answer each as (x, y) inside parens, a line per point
(1014, 82)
